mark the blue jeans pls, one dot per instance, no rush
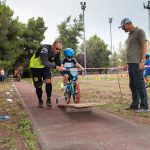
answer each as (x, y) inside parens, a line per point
(137, 86)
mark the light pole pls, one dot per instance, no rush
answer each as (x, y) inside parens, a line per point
(110, 22)
(148, 7)
(83, 6)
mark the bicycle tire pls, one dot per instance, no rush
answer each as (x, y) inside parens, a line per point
(67, 95)
(76, 94)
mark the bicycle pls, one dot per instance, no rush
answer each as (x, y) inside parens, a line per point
(73, 88)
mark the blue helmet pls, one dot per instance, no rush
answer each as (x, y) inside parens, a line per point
(147, 55)
(69, 52)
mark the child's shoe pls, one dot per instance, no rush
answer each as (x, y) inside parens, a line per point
(64, 89)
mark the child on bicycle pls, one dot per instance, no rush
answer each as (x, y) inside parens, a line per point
(147, 68)
(69, 62)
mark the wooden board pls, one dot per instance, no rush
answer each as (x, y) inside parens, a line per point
(81, 107)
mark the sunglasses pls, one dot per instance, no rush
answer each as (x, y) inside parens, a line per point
(58, 49)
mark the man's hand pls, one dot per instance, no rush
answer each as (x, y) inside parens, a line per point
(141, 66)
(125, 68)
(60, 68)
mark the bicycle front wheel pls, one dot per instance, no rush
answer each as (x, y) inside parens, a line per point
(76, 94)
(67, 95)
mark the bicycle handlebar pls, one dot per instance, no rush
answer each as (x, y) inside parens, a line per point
(71, 69)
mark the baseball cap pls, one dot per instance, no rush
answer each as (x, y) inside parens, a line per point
(124, 21)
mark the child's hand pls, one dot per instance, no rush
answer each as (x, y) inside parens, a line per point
(125, 68)
(82, 69)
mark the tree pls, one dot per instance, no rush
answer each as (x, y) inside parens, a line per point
(115, 61)
(121, 55)
(5, 20)
(9, 32)
(70, 33)
(17, 39)
(80, 58)
(32, 35)
(96, 52)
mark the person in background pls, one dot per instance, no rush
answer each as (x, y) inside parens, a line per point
(2, 75)
(136, 46)
(40, 65)
(17, 74)
(147, 68)
(69, 62)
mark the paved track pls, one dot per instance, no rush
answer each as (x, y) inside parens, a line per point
(96, 130)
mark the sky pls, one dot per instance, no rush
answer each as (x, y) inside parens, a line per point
(97, 13)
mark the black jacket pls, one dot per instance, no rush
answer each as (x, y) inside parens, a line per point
(48, 57)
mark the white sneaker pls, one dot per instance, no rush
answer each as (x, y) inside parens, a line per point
(142, 110)
(64, 89)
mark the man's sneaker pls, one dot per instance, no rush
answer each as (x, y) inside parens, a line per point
(40, 103)
(48, 103)
(131, 108)
(142, 110)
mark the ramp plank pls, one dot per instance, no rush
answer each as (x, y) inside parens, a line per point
(79, 107)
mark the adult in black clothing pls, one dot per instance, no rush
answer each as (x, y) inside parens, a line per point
(40, 65)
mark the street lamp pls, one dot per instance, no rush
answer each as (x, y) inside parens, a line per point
(148, 7)
(83, 6)
(110, 21)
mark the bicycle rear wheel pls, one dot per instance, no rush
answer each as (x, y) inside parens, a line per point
(76, 94)
(67, 95)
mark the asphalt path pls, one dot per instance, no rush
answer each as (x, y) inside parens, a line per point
(57, 129)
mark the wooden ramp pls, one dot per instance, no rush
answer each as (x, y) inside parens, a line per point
(81, 107)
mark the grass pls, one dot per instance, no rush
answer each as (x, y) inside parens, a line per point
(25, 129)
(15, 133)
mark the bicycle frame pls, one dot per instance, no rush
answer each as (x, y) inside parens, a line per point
(73, 89)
